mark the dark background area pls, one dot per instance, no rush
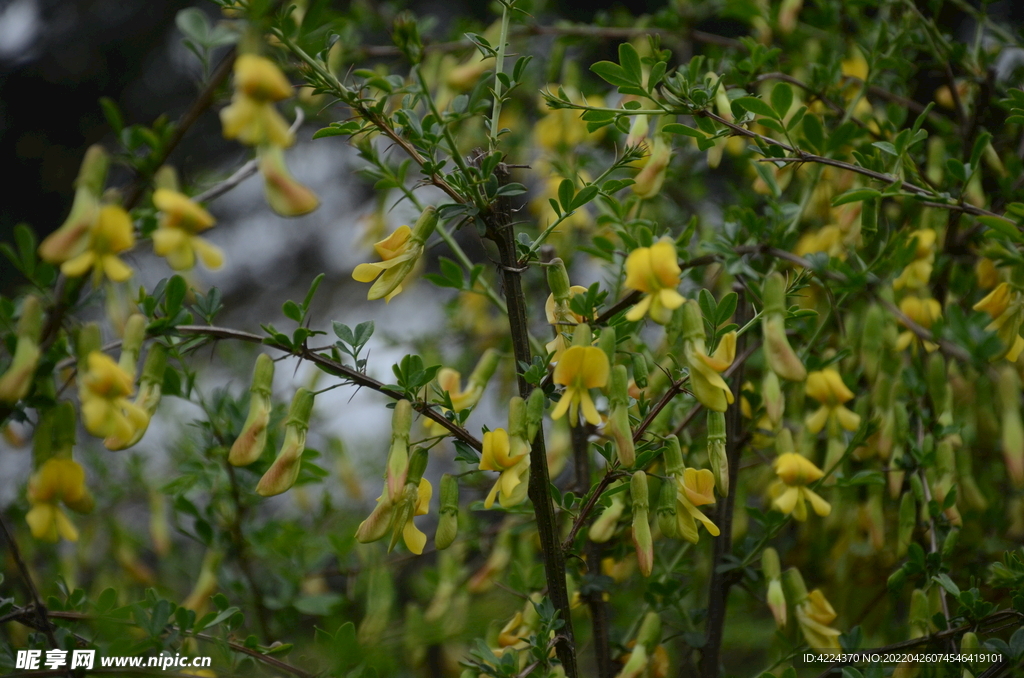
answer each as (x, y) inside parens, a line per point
(57, 58)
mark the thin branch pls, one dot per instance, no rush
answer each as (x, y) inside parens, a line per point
(39, 610)
(801, 156)
(610, 476)
(338, 369)
(995, 617)
(198, 107)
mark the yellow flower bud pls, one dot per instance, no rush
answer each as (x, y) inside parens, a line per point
(71, 238)
(448, 516)
(716, 451)
(283, 473)
(777, 351)
(618, 427)
(641, 527)
(17, 379)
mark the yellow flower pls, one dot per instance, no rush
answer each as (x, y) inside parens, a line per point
(251, 117)
(175, 236)
(1005, 305)
(827, 387)
(814, 615)
(828, 239)
(795, 472)
(514, 465)
(580, 369)
(924, 312)
(104, 391)
(57, 480)
(696, 488)
(285, 195)
(916, 274)
(413, 537)
(705, 370)
(399, 253)
(110, 234)
(654, 271)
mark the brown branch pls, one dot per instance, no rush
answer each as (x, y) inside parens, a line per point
(800, 156)
(995, 617)
(721, 582)
(585, 31)
(610, 476)
(39, 610)
(242, 554)
(594, 598)
(501, 231)
(203, 101)
(338, 369)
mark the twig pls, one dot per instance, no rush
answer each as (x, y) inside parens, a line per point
(242, 554)
(721, 582)
(595, 598)
(37, 602)
(336, 368)
(502, 232)
(999, 616)
(198, 107)
(610, 476)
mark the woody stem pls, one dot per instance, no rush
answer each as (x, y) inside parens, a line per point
(501, 231)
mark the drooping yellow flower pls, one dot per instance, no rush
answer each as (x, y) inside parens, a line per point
(413, 537)
(924, 312)
(109, 235)
(795, 472)
(814, 615)
(104, 391)
(398, 253)
(285, 195)
(655, 272)
(176, 237)
(580, 369)
(695, 488)
(514, 464)
(827, 387)
(705, 370)
(917, 272)
(57, 480)
(1005, 305)
(251, 118)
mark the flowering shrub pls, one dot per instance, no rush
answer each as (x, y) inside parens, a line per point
(791, 358)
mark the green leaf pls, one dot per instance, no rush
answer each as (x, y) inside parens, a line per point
(292, 311)
(174, 295)
(782, 99)
(630, 61)
(886, 147)
(679, 128)
(945, 582)
(1003, 227)
(755, 105)
(312, 290)
(214, 618)
(192, 22)
(565, 192)
(112, 114)
(814, 132)
(726, 307)
(586, 194)
(612, 73)
(855, 195)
